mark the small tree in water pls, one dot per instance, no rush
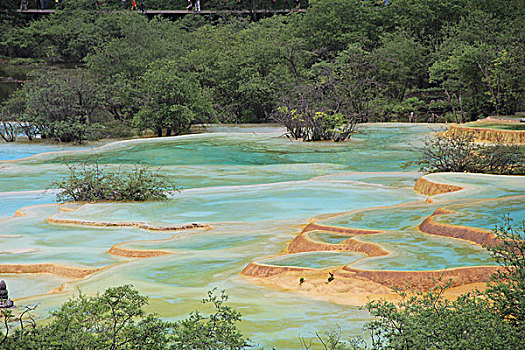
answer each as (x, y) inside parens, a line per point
(331, 101)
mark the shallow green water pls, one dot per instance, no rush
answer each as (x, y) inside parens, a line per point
(413, 251)
(315, 260)
(481, 214)
(325, 237)
(256, 189)
(502, 126)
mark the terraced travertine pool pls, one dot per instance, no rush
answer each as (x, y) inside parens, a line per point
(252, 193)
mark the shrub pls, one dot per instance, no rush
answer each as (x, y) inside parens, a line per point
(91, 182)
(507, 287)
(462, 154)
(116, 320)
(217, 331)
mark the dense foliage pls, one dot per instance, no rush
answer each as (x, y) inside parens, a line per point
(340, 62)
(92, 182)
(116, 320)
(457, 153)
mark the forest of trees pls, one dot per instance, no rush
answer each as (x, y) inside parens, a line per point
(340, 63)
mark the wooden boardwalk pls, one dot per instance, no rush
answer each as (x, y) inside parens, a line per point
(185, 12)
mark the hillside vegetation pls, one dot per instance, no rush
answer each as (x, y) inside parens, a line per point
(340, 63)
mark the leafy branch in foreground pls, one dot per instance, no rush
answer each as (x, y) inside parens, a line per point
(493, 319)
(217, 331)
(116, 320)
(332, 340)
(507, 287)
(91, 182)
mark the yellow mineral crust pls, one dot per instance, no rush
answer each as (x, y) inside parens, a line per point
(488, 134)
(302, 243)
(355, 287)
(135, 253)
(139, 225)
(471, 234)
(55, 269)
(430, 188)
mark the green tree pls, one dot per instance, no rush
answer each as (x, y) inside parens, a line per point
(401, 64)
(425, 19)
(69, 34)
(66, 106)
(171, 99)
(478, 66)
(113, 320)
(14, 118)
(244, 65)
(330, 26)
(507, 288)
(116, 320)
(334, 98)
(128, 54)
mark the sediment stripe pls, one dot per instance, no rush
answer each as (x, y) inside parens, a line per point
(474, 235)
(423, 279)
(430, 188)
(135, 253)
(139, 225)
(55, 269)
(258, 270)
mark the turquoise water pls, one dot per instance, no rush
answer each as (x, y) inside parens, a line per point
(12, 201)
(257, 190)
(414, 251)
(481, 214)
(291, 200)
(325, 237)
(18, 150)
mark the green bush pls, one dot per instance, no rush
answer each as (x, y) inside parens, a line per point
(91, 182)
(462, 154)
(116, 320)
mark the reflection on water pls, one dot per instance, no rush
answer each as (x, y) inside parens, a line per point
(11, 78)
(257, 190)
(7, 88)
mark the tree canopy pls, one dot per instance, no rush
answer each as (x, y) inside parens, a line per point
(453, 60)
